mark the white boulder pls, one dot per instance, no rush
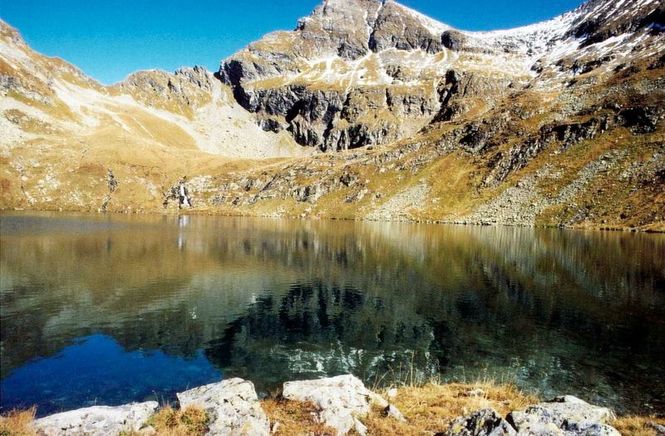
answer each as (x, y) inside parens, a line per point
(566, 415)
(341, 399)
(232, 406)
(97, 420)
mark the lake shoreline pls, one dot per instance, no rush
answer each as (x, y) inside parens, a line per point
(653, 228)
(339, 405)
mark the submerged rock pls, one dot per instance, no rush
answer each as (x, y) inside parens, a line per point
(341, 400)
(97, 420)
(566, 415)
(232, 406)
(485, 422)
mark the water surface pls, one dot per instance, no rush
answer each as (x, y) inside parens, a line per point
(112, 309)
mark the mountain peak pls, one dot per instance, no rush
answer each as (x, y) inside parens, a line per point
(10, 34)
(353, 28)
(343, 26)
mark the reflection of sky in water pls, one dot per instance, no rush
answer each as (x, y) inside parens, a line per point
(97, 370)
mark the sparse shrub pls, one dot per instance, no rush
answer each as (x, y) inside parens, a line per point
(18, 423)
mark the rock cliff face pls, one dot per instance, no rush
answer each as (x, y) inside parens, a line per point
(367, 72)
(352, 74)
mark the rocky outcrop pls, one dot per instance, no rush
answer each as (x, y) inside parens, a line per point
(566, 416)
(232, 407)
(485, 422)
(639, 120)
(396, 28)
(339, 119)
(97, 420)
(341, 400)
(181, 92)
(277, 78)
(112, 183)
(178, 193)
(315, 80)
(600, 21)
(453, 40)
(566, 135)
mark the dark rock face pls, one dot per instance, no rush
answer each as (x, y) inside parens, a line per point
(453, 40)
(565, 134)
(641, 119)
(306, 113)
(485, 422)
(568, 414)
(573, 132)
(603, 21)
(563, 415)
(341, 26)
(375, 93)
(186, 89)
(335, 117)
(395, 29)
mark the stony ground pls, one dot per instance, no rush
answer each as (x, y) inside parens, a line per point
(342, 405)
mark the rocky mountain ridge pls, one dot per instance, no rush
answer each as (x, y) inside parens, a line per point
(557, 123)
(367, 72)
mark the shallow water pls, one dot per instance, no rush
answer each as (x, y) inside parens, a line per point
(112, 309)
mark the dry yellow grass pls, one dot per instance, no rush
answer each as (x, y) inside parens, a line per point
(638, 425)
(427, 409)
(191, 421)
(294, 418)
(432, 407)
(18, 423)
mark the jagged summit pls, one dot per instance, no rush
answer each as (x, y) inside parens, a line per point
(318, 81)
(355, 27)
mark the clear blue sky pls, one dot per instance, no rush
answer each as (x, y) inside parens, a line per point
(109, 39)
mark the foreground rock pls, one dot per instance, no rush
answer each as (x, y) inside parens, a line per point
(565, 416)
(97, 420)
(232, 407)
(341, 400)
(485, 422)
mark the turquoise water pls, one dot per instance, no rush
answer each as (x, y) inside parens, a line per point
(112, 309)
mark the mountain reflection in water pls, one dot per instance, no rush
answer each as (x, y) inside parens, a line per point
(273, 300)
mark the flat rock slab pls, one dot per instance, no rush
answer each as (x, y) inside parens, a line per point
(565, 415)
(97, 420)
(341, 400)
(232, 406)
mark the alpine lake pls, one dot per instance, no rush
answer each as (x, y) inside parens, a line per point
(99, 309)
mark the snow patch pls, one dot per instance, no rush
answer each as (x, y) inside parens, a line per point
(433, 26)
